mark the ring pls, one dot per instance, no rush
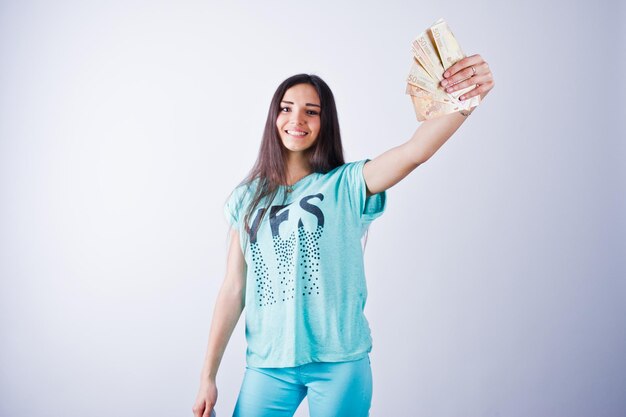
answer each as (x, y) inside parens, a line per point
(473, 69)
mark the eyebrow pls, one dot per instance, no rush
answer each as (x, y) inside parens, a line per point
(307, 104)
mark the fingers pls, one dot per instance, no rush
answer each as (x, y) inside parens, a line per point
(203, 410)
(197, 411)
(466, 62)
(462, 70)
(481, 89)
(478, 79)
(461, 75)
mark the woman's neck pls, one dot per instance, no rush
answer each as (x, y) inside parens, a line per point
(297, 168)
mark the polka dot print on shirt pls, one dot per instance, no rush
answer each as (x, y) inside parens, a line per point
(284, 249)
(264, 291)
(310, 261)
(284, 280)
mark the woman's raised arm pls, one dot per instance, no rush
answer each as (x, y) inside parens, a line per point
(393, 165)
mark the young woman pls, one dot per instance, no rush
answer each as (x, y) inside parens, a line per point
(295, 259)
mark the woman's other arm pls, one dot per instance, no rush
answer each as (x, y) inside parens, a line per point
(393, 165)
(228, 307)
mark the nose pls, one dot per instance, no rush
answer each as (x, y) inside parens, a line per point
(297, 118)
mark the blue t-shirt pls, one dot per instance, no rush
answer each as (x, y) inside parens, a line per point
(305, 278)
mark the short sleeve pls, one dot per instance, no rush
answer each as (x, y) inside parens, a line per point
(232, 209)
(371, 207)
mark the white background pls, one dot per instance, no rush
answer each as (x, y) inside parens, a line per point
(496, 276)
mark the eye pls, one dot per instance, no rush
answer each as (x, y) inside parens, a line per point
(285, 109)
(312, 112)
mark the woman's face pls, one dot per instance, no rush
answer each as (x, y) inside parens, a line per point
(298, 120)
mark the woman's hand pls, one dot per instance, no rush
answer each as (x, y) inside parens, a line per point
(469, 71)
(207, 397)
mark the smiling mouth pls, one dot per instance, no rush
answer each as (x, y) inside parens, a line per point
(296, 133)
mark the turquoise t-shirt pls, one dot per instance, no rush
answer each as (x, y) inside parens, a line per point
(305, 277)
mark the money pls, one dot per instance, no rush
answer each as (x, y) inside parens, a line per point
(426, 107)
(420, 78)
(442, 98)
(426, 54)
(434, 51)
(449, 49)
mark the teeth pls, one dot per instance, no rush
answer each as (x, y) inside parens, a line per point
(294, 133)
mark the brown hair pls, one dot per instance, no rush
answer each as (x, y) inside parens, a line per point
(270, 167)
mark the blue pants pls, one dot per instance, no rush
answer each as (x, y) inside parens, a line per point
(334, 389)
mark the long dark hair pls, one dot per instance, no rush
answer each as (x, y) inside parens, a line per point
(270, 166)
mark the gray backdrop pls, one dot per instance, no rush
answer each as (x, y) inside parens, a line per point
(496, 276)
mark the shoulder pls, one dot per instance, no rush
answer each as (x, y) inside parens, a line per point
(351, 172)
(349, 168)
(242, 191)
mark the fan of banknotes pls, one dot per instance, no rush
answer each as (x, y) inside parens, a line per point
(434, 51)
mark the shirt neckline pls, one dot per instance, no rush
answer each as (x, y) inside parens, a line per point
(293, 186)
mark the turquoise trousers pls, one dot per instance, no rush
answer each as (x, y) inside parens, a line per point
(333, 389)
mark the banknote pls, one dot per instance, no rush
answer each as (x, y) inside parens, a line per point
(425, 52)
(426, 107)
(449, 49)
(434, 51)
(444, 98)
(419, 77)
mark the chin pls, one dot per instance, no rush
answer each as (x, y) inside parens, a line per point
(299, 147)
(290, 149)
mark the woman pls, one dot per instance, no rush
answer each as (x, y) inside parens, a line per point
(295, 258)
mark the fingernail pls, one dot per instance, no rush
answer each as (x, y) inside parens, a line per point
(444, 82)
(446, 74)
